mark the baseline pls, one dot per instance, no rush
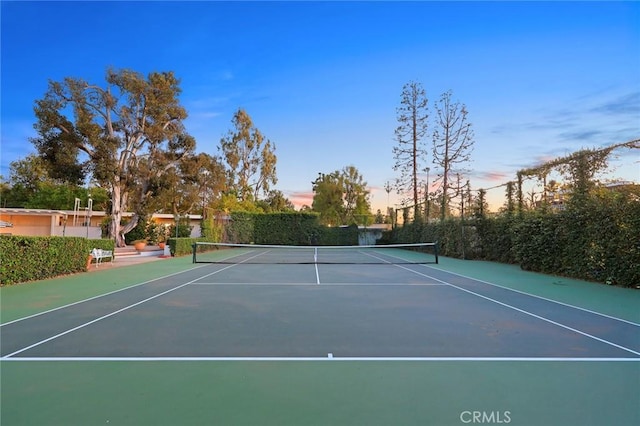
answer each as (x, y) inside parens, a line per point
(315, 285)
(329, 357)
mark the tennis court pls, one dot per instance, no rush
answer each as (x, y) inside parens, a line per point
(258, 339)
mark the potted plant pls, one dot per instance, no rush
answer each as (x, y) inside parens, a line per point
(156, 234)
(140, 244)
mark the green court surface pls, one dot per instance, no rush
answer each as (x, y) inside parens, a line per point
(461, 342)
(318, 393)
(19, 301)
(617, 301)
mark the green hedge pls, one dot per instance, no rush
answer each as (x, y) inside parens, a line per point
(495, 239)
(35, 258)
(340, 236)
(453, 240)
(596, 239)
(539, 242)
(287, 228)
(182, 246)
(240, 230)
(290, 228)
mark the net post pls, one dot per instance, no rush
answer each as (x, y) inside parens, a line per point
(193, 246)
(435, 250)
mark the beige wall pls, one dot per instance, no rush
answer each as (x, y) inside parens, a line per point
(52, 223)
(28, 225)
(78, 231)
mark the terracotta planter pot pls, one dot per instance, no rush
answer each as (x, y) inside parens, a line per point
(161, 245)
(89, 259)
(140, 246)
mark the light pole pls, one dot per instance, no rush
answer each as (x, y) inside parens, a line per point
(426, 196)
(89, 211)
(387, 187)
(205, 188)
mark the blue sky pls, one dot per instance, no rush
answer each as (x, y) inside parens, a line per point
(322, 80)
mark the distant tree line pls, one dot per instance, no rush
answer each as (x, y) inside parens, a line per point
(452, 140)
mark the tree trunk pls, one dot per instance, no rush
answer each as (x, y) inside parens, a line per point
(116, 230)
(116, 216)
(416, 209)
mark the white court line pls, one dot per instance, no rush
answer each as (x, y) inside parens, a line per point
(536, 296)
(115, 312)
(99, 296)
(106, 294)
(327, 358)
(315, 284)
(240, 284)
(526, 312)
(386, 284)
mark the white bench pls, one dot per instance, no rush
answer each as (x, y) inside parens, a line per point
(99, 254)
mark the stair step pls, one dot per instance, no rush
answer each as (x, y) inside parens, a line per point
(130, 251)
(126, 251)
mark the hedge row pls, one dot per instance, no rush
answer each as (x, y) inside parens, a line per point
(596, 240)
(287, 228)
(183, 246)
(36, 258)
(294, 228)
(600, 242)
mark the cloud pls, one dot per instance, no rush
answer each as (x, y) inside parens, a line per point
(625, 104)
(631, 154)
(603, 119)
(206, 114)
(373, 189)
(548, 120)
(225, 75)
(490, 176)
(207, 102)
(500, 130)
(300, 198)
(586, 135)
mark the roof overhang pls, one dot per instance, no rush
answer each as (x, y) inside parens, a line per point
(32, 212)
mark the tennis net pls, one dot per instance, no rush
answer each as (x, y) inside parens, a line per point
(416, 253)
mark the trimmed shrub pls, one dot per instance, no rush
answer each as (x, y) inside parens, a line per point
(288, 228)
(35, 258)
(240, 230)
(340, 236)
(594, 239)
(182, 246)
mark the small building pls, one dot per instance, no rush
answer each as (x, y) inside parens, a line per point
(369, 235)
(71, 223)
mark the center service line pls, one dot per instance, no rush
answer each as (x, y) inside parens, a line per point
(315, 263)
